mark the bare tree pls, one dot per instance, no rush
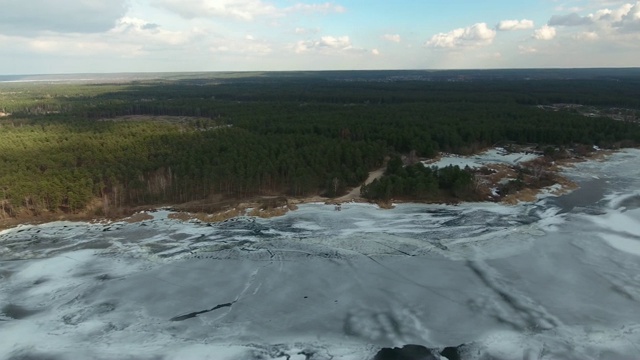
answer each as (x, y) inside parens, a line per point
(335, 183)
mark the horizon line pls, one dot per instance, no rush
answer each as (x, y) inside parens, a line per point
(321, 71)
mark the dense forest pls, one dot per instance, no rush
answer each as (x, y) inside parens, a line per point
(419, 182)
(64, 146)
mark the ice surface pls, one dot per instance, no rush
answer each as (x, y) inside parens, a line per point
(532, 281)
(632, 246)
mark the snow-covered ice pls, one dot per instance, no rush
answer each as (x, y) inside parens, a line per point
(491, 156)
(554, 279)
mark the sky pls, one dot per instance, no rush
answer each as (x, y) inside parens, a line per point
(105, 36)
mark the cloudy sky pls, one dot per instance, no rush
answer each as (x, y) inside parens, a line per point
(75, 36)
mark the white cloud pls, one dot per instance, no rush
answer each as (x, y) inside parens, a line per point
(562, 8)
(326, 44)
(242, 47)
(246, 10)
(572, 19)
(341, 42)
(510, 25)
(139, 31)
(523, 49)
(625, 17)
(62, 16)
(305, 31)
(392, 37)
(237, 9)
(475, 35)
(545, 33)
(324, 8)
(74, 45)
(587, 35)
(607, 15)
(130, 38)
(127, 35)
(618, 25)
(630, 21)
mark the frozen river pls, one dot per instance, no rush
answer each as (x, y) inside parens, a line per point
(555, 279)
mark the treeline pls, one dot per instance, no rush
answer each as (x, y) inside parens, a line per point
(66, 145)
(198, 98)
(61, 167)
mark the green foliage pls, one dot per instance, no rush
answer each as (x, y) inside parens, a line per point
(421, 183)
(395, 166)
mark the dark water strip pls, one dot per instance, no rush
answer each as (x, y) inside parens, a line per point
(589, 193)
(196, 313)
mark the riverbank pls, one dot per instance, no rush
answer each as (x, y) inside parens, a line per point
(535, 177)
(541, 176)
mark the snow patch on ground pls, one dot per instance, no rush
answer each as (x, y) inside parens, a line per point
(492, 156)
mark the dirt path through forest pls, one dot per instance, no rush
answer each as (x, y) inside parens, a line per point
(355, 193)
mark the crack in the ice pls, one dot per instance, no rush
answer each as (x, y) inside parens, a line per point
(227, 305)
(531, 316)
(392, 248)
(196, 313)
(411, 281)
